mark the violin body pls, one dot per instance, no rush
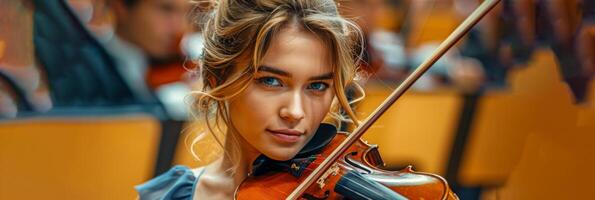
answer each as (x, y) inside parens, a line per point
(355, 176)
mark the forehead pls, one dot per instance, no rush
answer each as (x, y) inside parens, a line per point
(298, 52)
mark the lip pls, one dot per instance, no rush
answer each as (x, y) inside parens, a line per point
(286, 135)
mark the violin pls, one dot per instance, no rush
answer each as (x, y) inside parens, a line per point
(346, 167)
(356, 175)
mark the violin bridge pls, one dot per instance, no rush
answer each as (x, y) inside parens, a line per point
(334, 170)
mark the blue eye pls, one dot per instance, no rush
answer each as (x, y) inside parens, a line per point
(270, 81)
(318, 86)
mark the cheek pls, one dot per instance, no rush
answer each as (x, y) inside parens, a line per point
(251, 112)
(319, 108)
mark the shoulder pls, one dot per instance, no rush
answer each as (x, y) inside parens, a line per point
(176, 184)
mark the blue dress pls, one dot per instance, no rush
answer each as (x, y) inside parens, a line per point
(176, 184)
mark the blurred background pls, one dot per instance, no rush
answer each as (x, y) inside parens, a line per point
(94, 94)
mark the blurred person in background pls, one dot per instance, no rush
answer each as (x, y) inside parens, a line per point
(586, 38)
(396, 42)
(508, 36)
(425, 26)
(558, 23)
(387, 39)
(452, 69)
(487, 41)
(147, 48)
(96, 15)
(22, 83)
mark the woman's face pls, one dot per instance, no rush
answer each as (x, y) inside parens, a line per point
(289, 96)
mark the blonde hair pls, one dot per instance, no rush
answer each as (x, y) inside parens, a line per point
(241, 30)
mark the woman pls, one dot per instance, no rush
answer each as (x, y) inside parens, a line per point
(272, 71)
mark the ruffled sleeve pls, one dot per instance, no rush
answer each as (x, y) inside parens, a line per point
(175, 184)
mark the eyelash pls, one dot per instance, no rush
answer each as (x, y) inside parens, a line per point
(263, 81)
(325, 86)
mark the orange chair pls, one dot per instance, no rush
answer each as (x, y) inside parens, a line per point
(77, 157)
(531, 141)
(418, 130)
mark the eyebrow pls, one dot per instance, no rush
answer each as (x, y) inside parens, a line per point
(279, 72)
(273, 71)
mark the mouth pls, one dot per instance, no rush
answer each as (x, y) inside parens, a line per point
(286, 135)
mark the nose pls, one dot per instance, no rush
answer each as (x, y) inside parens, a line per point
(293, 111)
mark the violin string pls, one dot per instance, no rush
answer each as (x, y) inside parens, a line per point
(361, 186)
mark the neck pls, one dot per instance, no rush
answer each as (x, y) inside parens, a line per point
(230, 170)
